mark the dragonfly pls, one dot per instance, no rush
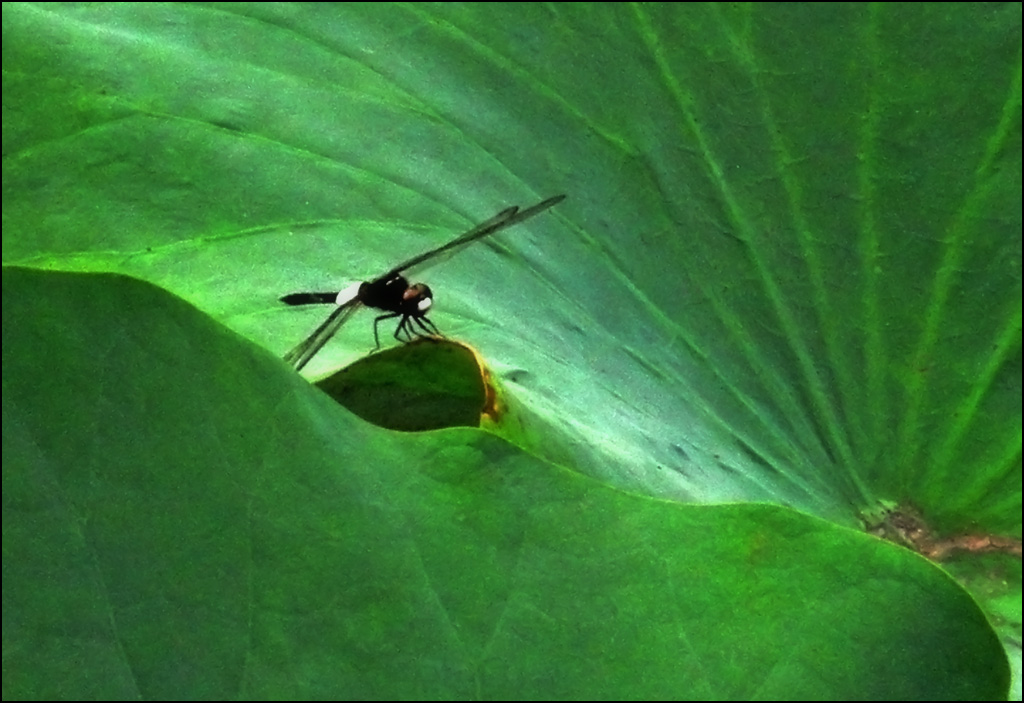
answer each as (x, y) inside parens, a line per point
(392, 292)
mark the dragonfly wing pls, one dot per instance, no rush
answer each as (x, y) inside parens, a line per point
(505, 218)
(481, 230)
(529, 212)
(305, 350)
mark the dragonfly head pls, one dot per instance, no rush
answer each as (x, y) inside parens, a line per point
(419, 295)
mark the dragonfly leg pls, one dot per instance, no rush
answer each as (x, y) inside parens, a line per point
(403, 326)
(376, 321)
(427, 325)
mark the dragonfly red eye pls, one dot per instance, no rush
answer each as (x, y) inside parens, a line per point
(417, 290)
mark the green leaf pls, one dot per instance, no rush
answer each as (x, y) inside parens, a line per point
(424, 385)
(787, 270)
(216, 548)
